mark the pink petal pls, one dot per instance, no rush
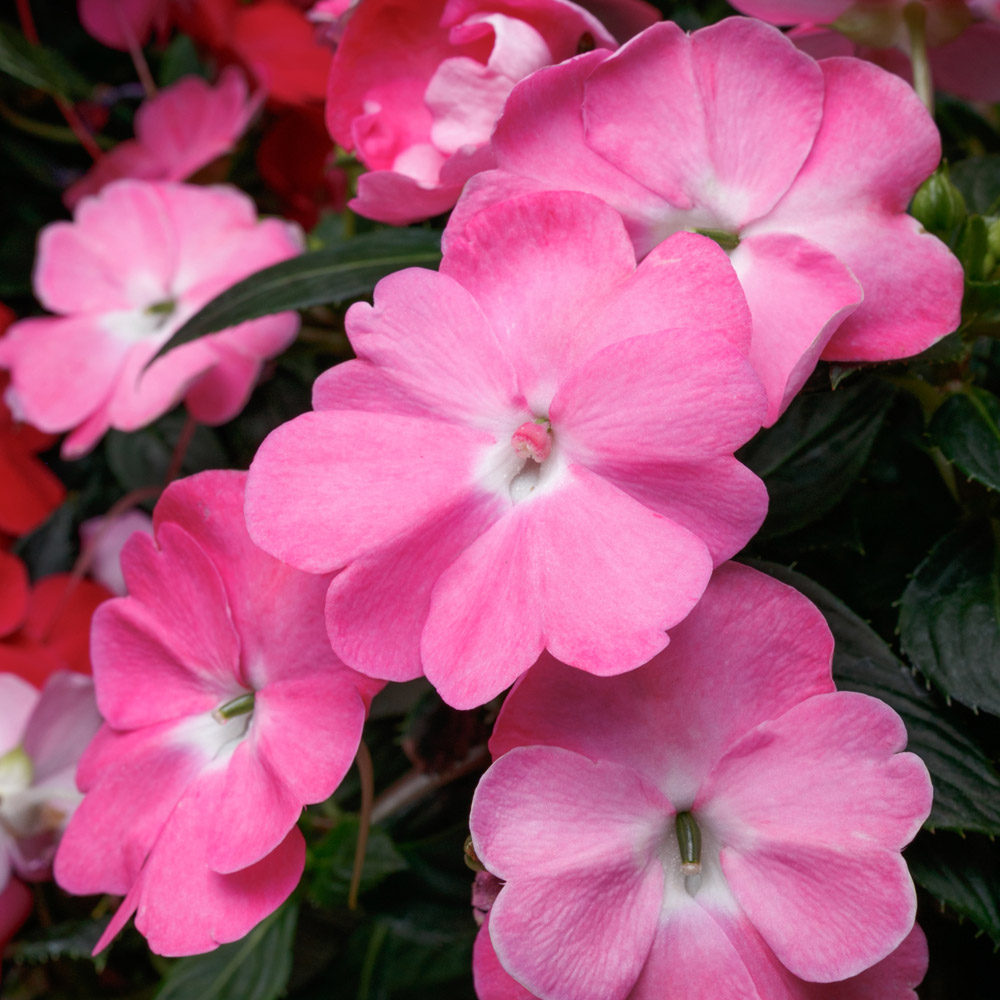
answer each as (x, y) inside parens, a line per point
(968, 67)
(396, 199)
(684, 283)
(121, 23)
(63, 722)
(539, 267)
(778, 637)
(798, 848)
(459, 372)
(221, 392)
(578, 844)
(327, 487)
(252, 811)
(793, 11)
(799, 294)
(63, 369)
(133, 782)
(554, 559)
(705, 99)
(679, 396)
(175, 624)
(17, 700)
(182, 906)
(382, 637)
(492, 980)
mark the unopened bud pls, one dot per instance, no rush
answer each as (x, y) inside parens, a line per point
(938, 205)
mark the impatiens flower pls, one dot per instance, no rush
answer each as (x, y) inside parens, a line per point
(963, 38)
(139, 260)
(226, 712)
(802, 170)
(416, 89)
(721, 820)
(534, 429)
(184, 128)
(123, 24)
(46, 627)
(41, 738)
(104, 539)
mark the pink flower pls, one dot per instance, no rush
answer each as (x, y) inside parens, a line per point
(963, 39)
(184, 128)
(122, 24)
(139, 260)
(415, 90)
(225, 712)
(104, 539)
(41, 738)
(536, 427)
(803, 169)
(720, 819)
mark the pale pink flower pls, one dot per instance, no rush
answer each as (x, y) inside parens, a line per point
(184, 128)
(415, 90)
(533, 449)
(104, 538)
(735, 736)
(803, 169)
(138, 261)
(42, 735)
(963, 39)
(226, 712)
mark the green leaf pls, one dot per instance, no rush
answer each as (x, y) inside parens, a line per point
(949, 619)
(331, 862)
(74, 939)
(38, 67)
(811, 456)
(966, 428)
(256, 967)
(978, 178)
(966, 785)
(964, 874)
(333, 275)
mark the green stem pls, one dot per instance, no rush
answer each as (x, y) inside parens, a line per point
(367, 774)
(915, 15)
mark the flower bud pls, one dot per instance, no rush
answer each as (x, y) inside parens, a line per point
(938, 205)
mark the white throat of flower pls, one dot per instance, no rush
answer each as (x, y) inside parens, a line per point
(526, 462)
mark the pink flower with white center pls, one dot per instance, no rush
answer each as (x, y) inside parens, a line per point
(534, 429)
(184, 128)
(139, 260)
(721, 819)
(415, 90)
(42, 735)
(963, 38)
(802, 170)
(226, 712)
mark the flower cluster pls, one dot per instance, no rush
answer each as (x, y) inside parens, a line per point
(527, 476)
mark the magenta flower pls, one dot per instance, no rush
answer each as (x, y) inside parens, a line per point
(803, 170)
(720, 819)
(124, 24)
(416, 89)
(138, 261)
(536, 427)
(226, 712)
(42, 735)
(963, 38)
(184, 128)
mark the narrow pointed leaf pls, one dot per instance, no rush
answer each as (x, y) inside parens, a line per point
(332, 275)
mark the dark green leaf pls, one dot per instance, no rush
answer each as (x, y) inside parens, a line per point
(964, 873)
(811, 456)
(981, 306)
(978, 178)
(180, 59)
(333, 275)
(949, 618)
(74, 939)
(966, 428)
(966, 785)
(256, 967)
(331, 862)
(37, 66)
